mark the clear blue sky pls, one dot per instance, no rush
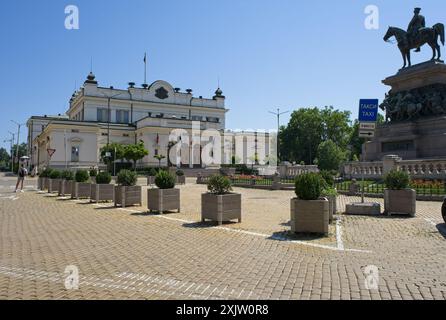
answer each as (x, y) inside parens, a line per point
(267, 54)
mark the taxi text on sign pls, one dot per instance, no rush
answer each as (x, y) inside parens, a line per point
(368, 110)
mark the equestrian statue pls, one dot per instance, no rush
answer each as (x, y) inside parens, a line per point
(416, 36)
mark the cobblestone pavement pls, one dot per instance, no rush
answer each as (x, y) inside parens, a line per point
(130, 254)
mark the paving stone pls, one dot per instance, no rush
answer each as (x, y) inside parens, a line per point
(129, 254)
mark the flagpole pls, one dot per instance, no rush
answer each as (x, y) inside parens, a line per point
(145, 67)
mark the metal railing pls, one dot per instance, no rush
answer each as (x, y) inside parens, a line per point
(422, 189)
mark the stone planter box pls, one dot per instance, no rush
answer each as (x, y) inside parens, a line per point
(65, 187)
(181, 179)
(310, 216)
(45, 182)
(40, 183)
(93, 180)
(53, 185)
(221, 208)
(150, 180)
(400, 202)
(81, 190)
(332, 208)
(102, 192)
(162, 200)
(128, 196)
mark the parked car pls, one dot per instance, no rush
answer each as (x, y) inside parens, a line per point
(443, 210)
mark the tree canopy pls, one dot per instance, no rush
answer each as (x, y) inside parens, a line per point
(308, 128)
(111, 150)
(22, 150)
(135, 152)
(4, 155)
(330, 156)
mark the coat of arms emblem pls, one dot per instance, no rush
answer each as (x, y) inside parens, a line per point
(161, 93)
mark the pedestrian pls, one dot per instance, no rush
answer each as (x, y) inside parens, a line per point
(21, 177)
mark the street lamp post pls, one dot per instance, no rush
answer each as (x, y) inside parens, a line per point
(19, 125)
(278, 114)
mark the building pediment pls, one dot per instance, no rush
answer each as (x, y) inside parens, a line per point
(161, 90)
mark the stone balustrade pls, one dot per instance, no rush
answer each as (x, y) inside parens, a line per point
(417, 169)
(295, 170)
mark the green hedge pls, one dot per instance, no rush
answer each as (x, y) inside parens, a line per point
(82, 176)
(397, 180)
(219, 185)
(309, 186)
(127, 178)
(165, 180)
(103, 178)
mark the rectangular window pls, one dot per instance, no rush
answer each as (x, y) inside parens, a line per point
(75, 154)
(122, 116)
(102, 115)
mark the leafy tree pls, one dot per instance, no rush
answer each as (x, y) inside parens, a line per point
(160, 158)
(22, 150)
(135, 152)
(111, 150)
(355, 142)
(4, 155)
(337, 126)
(308, 128)
(330, 156)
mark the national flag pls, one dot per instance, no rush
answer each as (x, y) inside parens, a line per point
(145, 57)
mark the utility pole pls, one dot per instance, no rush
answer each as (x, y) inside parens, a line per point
(12, 145)
(278, 114)
(19, 125)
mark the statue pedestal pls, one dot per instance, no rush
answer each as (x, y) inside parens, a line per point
(417, 76)
(421, 139)
(416, 106)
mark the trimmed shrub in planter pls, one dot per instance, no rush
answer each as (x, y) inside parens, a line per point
(127, 193)
(331, 194)
(151, 176)
(102, 190)
(66, 185)
(54, 181)
(219, 204)
(82, 187)
(398, 197)
(166, 197)
(93, 174)
(309, 213)
(181, 178)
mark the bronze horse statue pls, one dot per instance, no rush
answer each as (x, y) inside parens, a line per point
(425, 36)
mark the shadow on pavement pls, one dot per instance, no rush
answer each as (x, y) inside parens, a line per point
(290, 236)
(207, 224)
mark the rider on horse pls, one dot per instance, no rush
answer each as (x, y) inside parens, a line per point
(418, 22)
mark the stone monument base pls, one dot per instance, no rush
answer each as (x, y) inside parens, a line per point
(363, 209)
(420, 139)
(416, 108)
